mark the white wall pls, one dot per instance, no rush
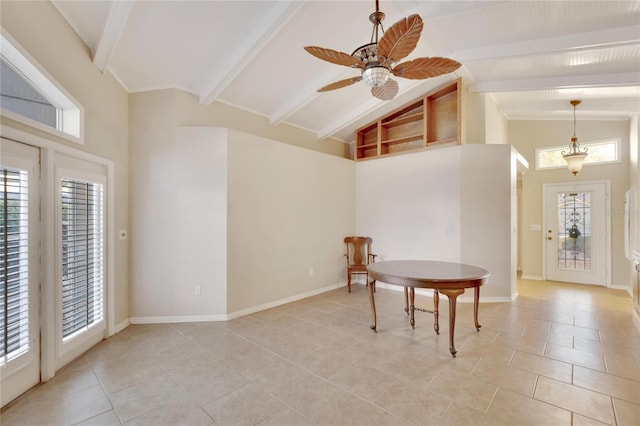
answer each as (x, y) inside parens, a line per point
(435, 205)
(179, 238)
(489, 215)
(473, 117)
(634, 174)
(482, 121)
(496, 125)
(410, 205)
(243, 217)
(289, 211)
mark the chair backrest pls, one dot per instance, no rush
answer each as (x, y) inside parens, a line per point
(358, 249)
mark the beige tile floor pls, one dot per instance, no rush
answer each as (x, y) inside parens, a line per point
(559, 355)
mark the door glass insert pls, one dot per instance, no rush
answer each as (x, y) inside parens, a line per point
(14, 264)
(574, 231)
(82, 256)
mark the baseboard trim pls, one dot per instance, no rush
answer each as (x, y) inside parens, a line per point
(284, 301)
(623, 288)
(121, 326)
(227, 317)
(177, 318)
(532, 277)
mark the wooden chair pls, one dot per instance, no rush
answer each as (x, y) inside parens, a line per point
(358, 256)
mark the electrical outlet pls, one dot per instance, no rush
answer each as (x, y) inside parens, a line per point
(310, 272)
(196, 290)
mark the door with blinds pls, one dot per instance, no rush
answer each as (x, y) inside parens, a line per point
(80, 310)
(19, 268)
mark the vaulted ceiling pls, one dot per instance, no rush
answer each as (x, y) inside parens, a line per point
(532, 57)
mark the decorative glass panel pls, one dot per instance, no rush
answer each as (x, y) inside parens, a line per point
(574, 231)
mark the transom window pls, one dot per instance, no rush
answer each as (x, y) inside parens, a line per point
(19, 96)
(31, 96)
(600, 152)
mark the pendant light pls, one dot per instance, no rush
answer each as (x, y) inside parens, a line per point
(576, 155)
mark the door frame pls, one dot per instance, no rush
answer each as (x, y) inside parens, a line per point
(48, 150)
(607, 218)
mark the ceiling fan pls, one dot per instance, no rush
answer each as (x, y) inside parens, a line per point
(378, 59)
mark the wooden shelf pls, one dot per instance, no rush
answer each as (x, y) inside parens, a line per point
(368, 145)
(404, 120)
(433, 119)
(404, 139)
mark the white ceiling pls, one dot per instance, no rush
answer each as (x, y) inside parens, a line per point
(533, 57)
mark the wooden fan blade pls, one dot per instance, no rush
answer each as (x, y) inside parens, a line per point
(387, 91)
(334, 56)
(340, 84)
(400, 40)
(423, 68)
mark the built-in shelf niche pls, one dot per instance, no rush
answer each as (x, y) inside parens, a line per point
(432, 119)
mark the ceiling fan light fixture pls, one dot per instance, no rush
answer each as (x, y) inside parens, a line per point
(375, 76)
(380, 58)
(367, 53)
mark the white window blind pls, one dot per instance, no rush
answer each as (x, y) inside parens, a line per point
(14, 264)
(82, 256)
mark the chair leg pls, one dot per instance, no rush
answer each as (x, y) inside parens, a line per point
(349, 281)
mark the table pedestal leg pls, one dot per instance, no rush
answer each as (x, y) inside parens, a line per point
(476, 300)
(406, 300)
(436, 302)
(452, 295)
(412, 306)
(372, 286)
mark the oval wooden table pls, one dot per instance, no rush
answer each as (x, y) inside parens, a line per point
(448, 278)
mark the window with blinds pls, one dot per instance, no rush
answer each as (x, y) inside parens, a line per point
(82, 256)
(14, 264)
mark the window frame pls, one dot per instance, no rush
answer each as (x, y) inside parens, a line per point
(70, 113)
(615, 141)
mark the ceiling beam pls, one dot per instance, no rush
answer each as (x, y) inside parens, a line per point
(558, 82)
(304, 96)
(611, 37)
(253, 43)
(113, 29)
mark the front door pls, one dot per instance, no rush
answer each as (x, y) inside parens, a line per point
(576, 234)
(19, 269)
